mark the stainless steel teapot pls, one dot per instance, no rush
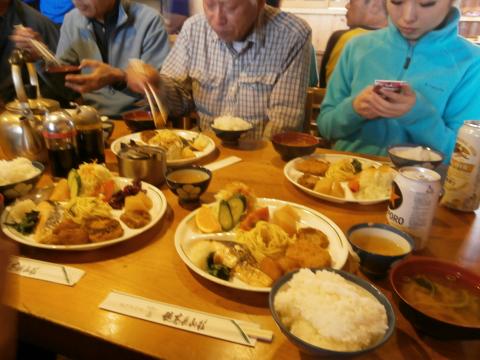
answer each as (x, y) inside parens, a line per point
(21, 122)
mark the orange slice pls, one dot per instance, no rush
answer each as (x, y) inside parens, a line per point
(206, 220)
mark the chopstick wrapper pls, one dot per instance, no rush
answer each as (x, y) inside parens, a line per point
(179, 317)
(222, 163)
(41, 270)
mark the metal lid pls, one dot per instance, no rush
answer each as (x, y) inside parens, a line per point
(85, 115)
(140, 152)
(58, 125)
(38, 106)
(420, 174)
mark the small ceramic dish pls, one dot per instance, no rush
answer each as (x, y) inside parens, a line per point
(188, 182)
(414, 155)
(379, 246)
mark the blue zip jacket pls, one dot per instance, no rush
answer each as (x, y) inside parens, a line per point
(140, 33)
(56, 10)
(442, 68)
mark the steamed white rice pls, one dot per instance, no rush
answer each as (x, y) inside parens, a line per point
(328, 311)
(16, 170)
(230, 123)
(417, 153)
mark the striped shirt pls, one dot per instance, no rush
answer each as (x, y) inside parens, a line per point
(263, 82)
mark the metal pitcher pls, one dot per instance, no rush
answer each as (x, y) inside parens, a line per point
(21, 122)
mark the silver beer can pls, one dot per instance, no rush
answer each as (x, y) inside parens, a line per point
(413, 201)
(462, 186)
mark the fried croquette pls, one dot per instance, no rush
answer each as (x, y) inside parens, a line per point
(101, 228)
(313, 235)
(69, 232)
(312, 166)
(309, 251)
(135, 219)
(308, 181)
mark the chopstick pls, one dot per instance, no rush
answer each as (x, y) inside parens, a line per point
(160, 116)
(161, 108)
(45, 52)
(257, 333)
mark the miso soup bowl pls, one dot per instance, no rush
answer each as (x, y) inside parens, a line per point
(292, 144)
(188, 190)
(424, 323)
(138, 120)
(374, 264)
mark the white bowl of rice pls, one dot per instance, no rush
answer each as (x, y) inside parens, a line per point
(331, 312)
(230, 128)
(19, 176)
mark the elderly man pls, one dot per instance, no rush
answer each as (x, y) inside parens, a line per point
(13, 13)
(101, 36)
(241, 58)
(362, 17)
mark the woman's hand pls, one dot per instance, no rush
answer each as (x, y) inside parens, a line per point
(101, 76)
(386, 104)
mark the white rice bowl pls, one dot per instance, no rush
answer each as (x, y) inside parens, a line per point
(231, 123)
(17, 170)
(330, 312)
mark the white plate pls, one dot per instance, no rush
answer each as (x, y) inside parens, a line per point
(156, 212)
(186, 134)
(293, 175)
(338, 247)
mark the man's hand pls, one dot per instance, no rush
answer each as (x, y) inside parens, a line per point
(139, 74)
(387, 104)
(22, 37)
(101, 76)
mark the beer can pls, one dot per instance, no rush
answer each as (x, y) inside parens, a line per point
(413, 201)
(462, 186)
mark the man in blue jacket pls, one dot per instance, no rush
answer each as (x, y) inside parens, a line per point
(101, 36)
(421, 45)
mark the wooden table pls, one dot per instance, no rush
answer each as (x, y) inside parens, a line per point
(68, 320)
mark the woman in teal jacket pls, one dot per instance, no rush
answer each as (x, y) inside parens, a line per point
(421, 45)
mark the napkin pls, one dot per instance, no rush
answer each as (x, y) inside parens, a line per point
(41, 270)
(181, 318)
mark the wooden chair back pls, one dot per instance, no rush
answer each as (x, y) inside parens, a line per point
(315, 97)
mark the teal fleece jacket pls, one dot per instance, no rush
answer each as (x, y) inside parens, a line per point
(442, 68)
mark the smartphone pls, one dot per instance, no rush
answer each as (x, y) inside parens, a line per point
(388, 85)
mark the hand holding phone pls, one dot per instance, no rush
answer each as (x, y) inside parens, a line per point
(388, 85)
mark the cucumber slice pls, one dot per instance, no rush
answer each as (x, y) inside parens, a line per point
(225, 216)
(237, 207)
(74, 183)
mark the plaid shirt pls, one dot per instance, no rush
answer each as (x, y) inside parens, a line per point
(263, 83)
